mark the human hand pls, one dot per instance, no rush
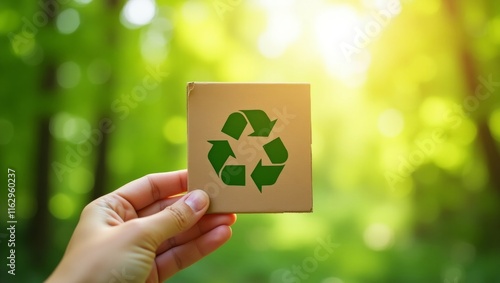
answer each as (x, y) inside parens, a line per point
(142, 232)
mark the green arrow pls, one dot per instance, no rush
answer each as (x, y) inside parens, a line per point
(266, 175)
(276, 151)
(219, 153)
(233, 175)
(261, 124)
(234, 126)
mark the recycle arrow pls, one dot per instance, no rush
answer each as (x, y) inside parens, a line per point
(219, 153)
(260, 122)
(276, 151)
(235, 125)
(266, 175)
(233, 175)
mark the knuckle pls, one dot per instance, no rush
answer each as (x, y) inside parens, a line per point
(155, 191)
(180, 219)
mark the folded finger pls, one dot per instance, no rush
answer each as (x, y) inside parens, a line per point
(157, 206)
(180, 257)
(205, 224)
(147, 190)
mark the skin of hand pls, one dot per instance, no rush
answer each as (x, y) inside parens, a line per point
(143, 232)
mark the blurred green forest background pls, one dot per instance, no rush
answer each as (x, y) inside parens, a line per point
(406, 127)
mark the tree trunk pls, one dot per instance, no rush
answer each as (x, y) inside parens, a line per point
(485, 138)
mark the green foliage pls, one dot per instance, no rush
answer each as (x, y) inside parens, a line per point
(406, 127)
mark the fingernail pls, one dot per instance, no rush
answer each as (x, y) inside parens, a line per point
(197, 200)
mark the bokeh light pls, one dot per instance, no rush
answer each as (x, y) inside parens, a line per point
(68, 21)
(70, 128)
(175, 130)
(62, 206)
(68, 74)
(378, 236)
(391, 123)
(283, 28)
(335, 29)
(81, 180)
(137, 13)
(83, 2)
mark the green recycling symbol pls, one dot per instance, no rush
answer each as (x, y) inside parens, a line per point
(262, 175)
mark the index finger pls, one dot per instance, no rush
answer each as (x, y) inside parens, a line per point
(150, 188)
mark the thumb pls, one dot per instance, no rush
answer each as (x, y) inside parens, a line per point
(176, 218)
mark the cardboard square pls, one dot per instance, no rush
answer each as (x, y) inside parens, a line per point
(249, 146)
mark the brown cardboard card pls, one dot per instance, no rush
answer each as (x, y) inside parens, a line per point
(249, 146)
